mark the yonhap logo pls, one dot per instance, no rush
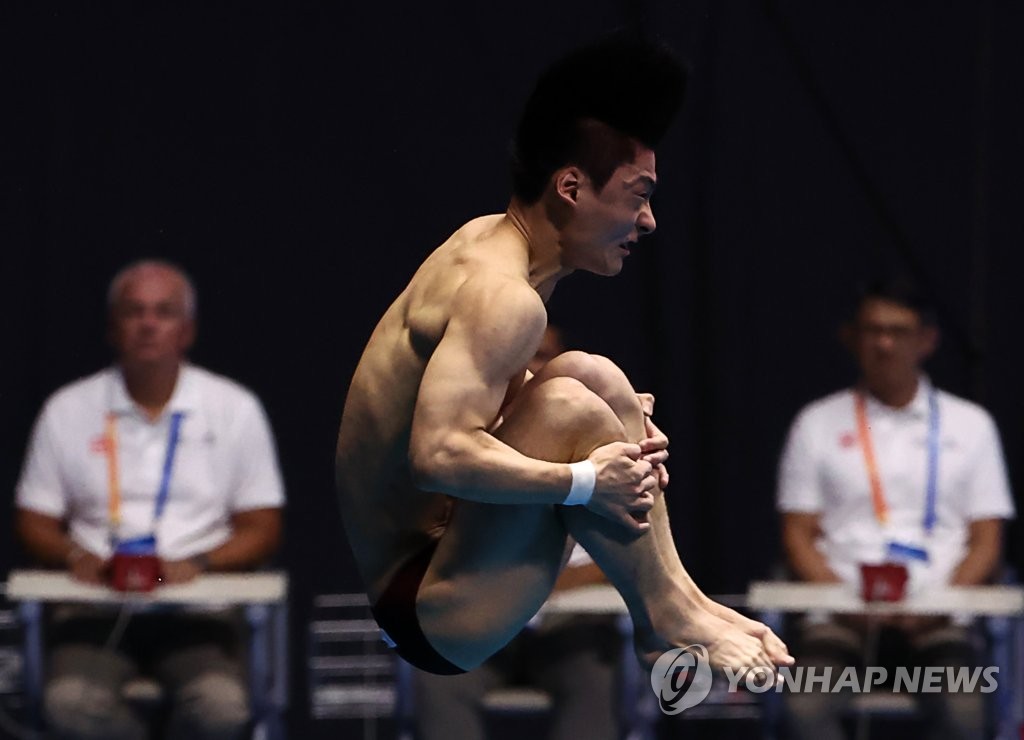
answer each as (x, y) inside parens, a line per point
(681, 678)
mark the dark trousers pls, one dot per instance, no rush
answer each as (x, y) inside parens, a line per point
(949, 715)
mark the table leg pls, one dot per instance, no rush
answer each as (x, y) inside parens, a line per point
(268, 667)
(279, 681)
(32, 622)
(1017, 686)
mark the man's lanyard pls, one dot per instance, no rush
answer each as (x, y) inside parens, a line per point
(932, 484)
(113, 481)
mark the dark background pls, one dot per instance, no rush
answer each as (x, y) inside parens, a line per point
(300, 160)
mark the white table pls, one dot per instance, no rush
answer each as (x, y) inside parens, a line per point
(954, 601)
(263, 597)
(988, 601)
(596, 599)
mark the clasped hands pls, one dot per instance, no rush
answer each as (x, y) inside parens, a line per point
(627, 474)
(88, 567)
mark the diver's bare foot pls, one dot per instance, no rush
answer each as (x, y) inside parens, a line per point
(773, 645)
(728, 645)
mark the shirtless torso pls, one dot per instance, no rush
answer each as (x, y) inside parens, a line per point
(387, 517)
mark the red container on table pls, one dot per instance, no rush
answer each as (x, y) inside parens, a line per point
(135, 566)
(885, 582)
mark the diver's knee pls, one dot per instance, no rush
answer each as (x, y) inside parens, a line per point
(569, 401)
(601, 376)
(594, 371)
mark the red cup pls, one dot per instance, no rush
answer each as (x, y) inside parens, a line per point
(134, 572)
(886, 582)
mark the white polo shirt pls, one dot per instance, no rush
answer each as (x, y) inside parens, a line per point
(224, 463)
(823, 470)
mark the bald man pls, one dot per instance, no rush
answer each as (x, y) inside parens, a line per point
(156, 456)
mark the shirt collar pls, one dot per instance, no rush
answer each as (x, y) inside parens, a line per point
(183, 399)
(919, 406)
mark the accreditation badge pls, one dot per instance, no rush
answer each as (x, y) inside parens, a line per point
(904, 552)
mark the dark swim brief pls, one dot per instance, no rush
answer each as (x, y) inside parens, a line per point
(395, 612)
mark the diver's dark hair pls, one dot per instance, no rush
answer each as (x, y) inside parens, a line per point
(591, 107)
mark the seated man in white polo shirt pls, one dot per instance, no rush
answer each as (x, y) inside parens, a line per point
(892, 470)
(157, 454)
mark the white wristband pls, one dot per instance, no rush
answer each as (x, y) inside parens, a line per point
(584, 478)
